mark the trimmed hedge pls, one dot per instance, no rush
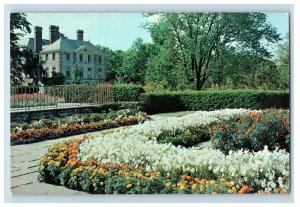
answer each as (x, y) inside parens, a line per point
(127, 92)
(101, 93)
(213, 100)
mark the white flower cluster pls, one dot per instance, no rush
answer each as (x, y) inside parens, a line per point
(138, 145)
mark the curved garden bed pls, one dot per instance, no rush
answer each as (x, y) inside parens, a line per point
(133, 160)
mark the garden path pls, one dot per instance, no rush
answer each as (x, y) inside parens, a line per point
(24, 162)
(23, 169)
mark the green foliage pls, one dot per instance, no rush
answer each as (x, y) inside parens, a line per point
(57, 79)
(127, 92)
(114, 63)
(213, 100)
(283, 63)
(33, 66)
(186, 137)
(243, 70)
(253, 131)
(192, 43)
(19, 26)
(75, 74)
(135, 60)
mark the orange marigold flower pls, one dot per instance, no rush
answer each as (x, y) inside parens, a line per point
(197, 180)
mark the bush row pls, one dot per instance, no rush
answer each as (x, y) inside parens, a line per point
(213, 100)
(102, 93)
(127, 92)
(35, 135)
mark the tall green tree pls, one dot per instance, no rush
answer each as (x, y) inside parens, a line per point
(200, 38)
(19, 26)
(135, 61)
(283, 62)
(33, 66)
(75, 74)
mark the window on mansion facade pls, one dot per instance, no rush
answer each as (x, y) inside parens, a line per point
(68, 56)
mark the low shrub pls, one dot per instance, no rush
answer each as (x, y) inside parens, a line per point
(186, 137)
(212, 100)
(253, 131)
(127, 92)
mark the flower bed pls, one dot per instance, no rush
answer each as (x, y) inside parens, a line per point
(61, 166)
(44, 133)
(253, 131)
(97, 165)
(70, 120)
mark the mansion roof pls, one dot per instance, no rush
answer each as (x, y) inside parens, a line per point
(70, 45)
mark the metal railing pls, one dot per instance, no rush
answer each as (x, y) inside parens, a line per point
(27, 98)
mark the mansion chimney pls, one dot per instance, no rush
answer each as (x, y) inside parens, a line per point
(37, 43)
(79, 34)
(53, 33)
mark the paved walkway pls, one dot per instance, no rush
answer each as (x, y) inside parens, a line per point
(23, 169)
(24, 163)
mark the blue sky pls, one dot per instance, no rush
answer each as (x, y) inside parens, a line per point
(114, 30)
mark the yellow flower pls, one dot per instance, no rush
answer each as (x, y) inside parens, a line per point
(201, 188)
(228, 183)
(168, 184)
(194, 186)
(138, 184)
(212, 182)
(230, 191)
(57, 164)
(182, 187)
(223, 180)
(41, 167)
(129, 185)
(101, 183)
(214, 193)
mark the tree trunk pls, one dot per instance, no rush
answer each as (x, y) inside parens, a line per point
(198, 86)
